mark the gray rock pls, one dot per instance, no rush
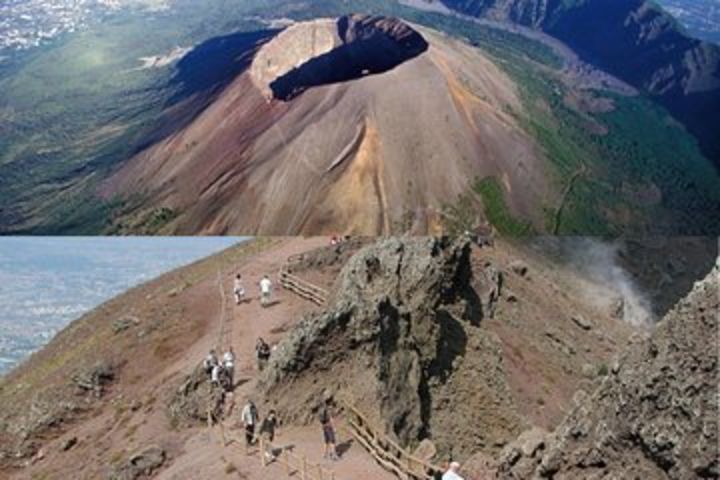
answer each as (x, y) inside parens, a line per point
(140, 465)
(648, 419)
(519, 267)
(194, 399)
(582, 322)
(395, 335)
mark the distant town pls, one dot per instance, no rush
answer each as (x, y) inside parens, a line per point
(30, 23)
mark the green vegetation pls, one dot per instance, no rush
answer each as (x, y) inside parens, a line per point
(497, 211)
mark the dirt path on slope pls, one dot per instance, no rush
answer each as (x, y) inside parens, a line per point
(205, 454)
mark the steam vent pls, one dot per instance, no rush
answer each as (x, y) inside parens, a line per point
(327, 51)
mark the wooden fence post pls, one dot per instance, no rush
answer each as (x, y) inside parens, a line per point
(288, 468)
(262, 451)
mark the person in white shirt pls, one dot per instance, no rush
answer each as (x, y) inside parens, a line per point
(215, 374)
(238, 290)
(451, 473)
(265, 291)
(229, 367)
(249, 418)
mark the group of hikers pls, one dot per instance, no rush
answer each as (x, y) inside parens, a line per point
(250, 418)
(222, 373)
(265, 285)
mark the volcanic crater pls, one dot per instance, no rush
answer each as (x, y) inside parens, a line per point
(327, 51)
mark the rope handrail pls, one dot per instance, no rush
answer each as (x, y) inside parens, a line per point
(386, 451)
(221, 332)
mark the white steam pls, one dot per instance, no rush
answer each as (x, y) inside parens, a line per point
(602, 281)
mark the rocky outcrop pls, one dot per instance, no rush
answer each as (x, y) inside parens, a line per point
(401, 339)
(194, 399)
(655, 416)
(140, 465)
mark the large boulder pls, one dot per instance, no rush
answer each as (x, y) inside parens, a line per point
(655, 416)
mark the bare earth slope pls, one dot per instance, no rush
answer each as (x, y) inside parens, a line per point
(344, 126)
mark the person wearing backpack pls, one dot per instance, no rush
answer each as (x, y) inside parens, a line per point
(328, 428)
(262, 351)
(210, 362)
(249, 418)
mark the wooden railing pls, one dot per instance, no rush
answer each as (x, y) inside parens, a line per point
(386, 452)
(303, 288)
(296, 465)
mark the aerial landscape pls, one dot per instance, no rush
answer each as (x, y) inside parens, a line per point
(231, 119)
(359, 239)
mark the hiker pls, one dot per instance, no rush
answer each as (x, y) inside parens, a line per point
(229, 367)
(451, 473)
(265, 290)
(249, 417)
(262, 350)
(216, 374)
(267, 431)
(210, 361)
(238, 290)
(325, 417)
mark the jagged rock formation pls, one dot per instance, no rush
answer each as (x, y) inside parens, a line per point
(402, 340)
(656, 414)
(194, 399)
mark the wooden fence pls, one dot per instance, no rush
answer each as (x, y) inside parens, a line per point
(301, 287)
(386, 452)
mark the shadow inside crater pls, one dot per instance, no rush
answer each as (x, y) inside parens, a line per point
(367, 49)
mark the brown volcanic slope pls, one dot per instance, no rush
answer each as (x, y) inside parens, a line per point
(345, 125)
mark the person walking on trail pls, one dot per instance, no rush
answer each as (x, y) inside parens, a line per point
(328, 428)
(265, 291)
(210, 362)
(267, 431)
(262, 350)
(238, 290)
(451, 473)
(229, 368)
(249, 418)
(216, 375)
